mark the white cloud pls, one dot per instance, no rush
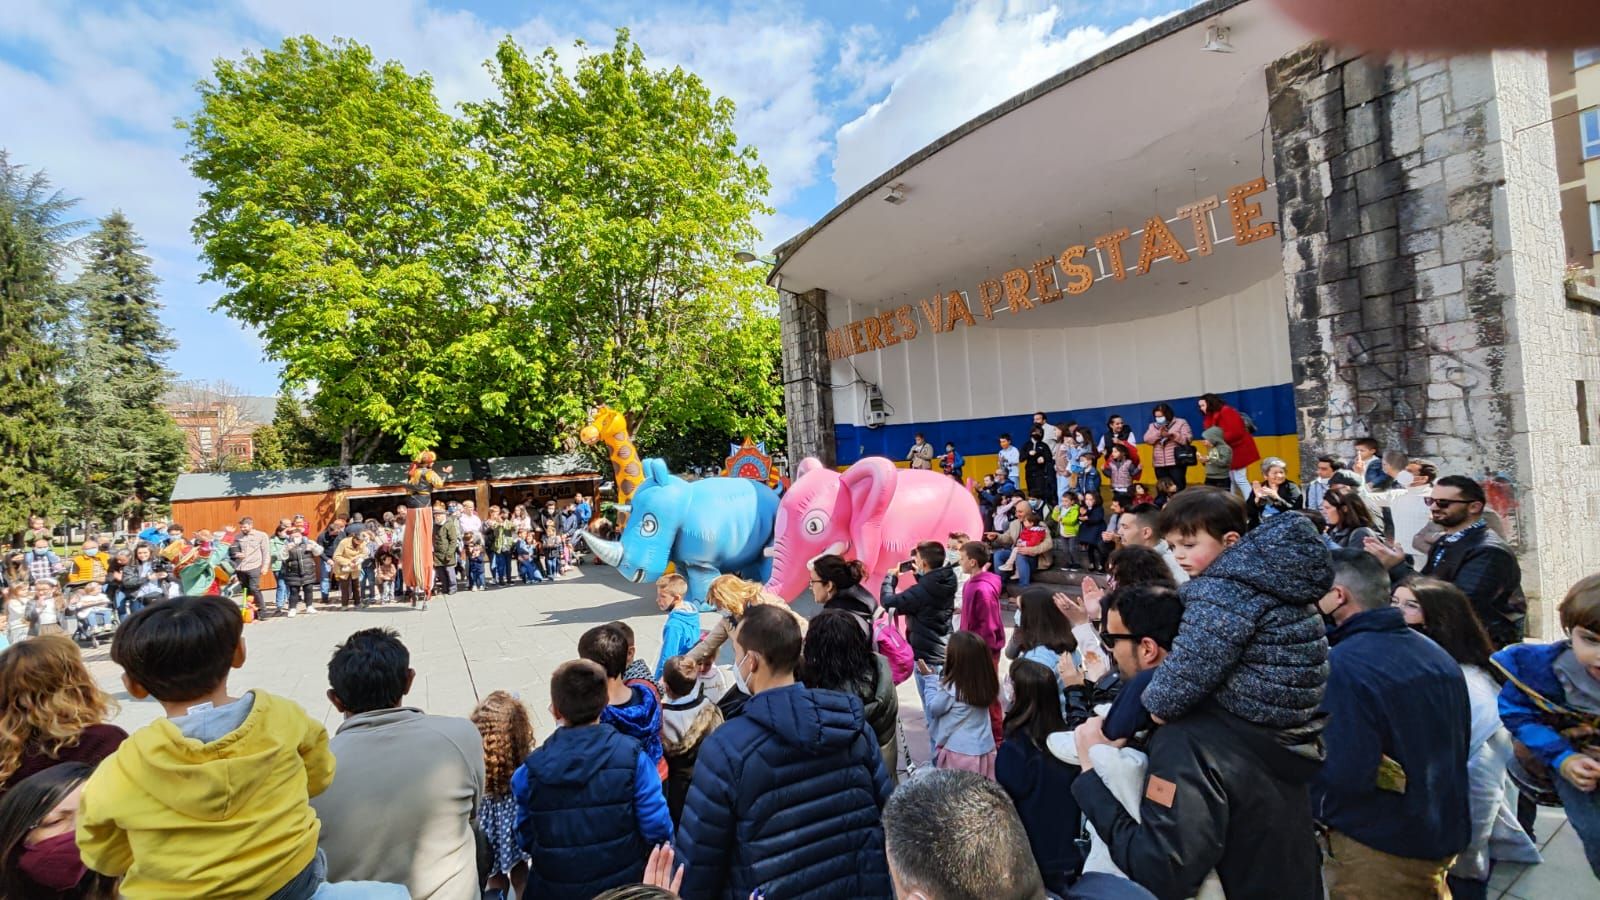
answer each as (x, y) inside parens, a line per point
(102, 87)
(983, 53)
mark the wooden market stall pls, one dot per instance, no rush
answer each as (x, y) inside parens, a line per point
(214, 502)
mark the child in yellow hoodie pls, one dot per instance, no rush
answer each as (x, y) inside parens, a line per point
(214, 800)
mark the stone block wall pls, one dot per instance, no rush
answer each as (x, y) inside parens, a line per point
(807, 397)
(1422, 257)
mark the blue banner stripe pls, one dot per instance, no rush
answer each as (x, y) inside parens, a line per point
(1272, 408)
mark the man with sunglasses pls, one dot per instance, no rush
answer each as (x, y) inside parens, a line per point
(1221, 793)
(1469, 555)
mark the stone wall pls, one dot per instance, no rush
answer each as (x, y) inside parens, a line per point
(1422, 259)
(807, 397)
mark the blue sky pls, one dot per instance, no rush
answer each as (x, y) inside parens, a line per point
(830, 93)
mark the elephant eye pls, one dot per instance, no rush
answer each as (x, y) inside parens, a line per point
(815, 524)
(647, 525)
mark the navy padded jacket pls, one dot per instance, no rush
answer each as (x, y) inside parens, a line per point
(589, 807)
(788, 799)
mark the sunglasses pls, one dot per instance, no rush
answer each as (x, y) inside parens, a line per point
(1435, 502)
(1110, 638)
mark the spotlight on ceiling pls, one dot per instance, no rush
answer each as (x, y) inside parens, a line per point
(1217, 39)
(896, 194)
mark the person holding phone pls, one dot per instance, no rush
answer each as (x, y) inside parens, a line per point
(929, 605)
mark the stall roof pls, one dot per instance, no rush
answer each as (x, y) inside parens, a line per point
(1146, 125)
(206, 486)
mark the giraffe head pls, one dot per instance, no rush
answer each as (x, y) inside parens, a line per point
(605, 424)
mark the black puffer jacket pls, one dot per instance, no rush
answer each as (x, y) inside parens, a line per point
(1226, 780)
(1251, 635)
(931, 605)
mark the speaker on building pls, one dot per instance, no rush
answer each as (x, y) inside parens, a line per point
(339, 477)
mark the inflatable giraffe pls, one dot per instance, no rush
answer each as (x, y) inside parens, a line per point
(608, 425)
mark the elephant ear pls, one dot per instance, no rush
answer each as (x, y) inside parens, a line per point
(655, 473)
(871, 484)
(809, 464)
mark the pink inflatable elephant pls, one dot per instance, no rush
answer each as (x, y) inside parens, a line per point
(873, 512)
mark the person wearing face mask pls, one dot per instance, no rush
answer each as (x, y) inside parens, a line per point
(787, 797)
(1440, 611)
(1393, 792)
(1169, 437)
(38, 851)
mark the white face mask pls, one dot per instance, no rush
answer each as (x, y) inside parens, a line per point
(1321, 480)
(1404, 478)
(1161, 420)
(738, 674)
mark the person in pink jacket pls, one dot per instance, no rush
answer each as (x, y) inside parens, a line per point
(980, 610)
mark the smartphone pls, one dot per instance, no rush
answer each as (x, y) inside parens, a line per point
(907, 566)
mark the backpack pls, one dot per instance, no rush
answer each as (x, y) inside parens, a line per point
(894, 647)
(1249, 423)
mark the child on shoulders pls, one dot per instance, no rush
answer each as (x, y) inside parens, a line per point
(1250, 635)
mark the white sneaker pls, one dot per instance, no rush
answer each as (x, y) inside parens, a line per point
(311, 610)
(291, 612)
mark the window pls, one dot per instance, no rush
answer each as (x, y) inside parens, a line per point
(1589, 125)
(1586, 57)
(1594, 226)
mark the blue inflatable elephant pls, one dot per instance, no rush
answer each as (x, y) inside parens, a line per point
(709, 527)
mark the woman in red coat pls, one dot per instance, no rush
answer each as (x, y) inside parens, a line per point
(1218, 413)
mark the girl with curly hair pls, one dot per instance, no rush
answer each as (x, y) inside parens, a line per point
(51, 710)
(507, 740)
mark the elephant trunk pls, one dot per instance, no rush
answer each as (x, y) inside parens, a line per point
(610, 552)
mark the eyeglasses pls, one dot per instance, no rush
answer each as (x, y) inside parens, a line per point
(1110, 638)
(1434, 502)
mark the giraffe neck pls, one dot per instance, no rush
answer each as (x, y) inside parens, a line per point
(624, 458)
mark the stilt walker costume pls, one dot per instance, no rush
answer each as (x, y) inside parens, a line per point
(416, 554)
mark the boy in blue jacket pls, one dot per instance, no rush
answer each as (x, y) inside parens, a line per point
(682, 629)
(589, 804)
(633, 707)
(1551, 705)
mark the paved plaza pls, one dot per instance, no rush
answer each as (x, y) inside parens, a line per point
(511, 638)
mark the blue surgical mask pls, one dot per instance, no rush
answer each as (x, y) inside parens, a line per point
(1161, 420)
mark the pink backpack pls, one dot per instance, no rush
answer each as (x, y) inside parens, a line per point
(894, 647)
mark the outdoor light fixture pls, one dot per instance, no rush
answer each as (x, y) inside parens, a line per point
(749, 256)
(1217, 39)
(896, 195)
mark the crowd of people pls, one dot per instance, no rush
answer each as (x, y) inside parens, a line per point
(353, 562)
(1269, 692)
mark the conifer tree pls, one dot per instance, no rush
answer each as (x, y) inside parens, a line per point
(33, 235)
(123, 448)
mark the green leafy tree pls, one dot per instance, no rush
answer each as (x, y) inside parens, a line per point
(33, 247)
(622, 195)
(340, 216)
(122, 450)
